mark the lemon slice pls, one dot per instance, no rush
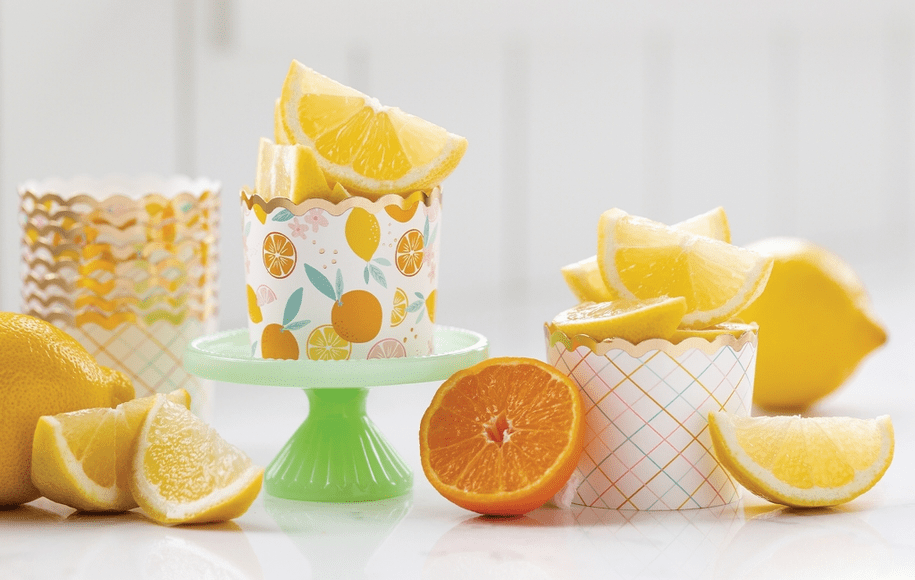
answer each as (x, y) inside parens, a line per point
(83, 459)
(803, 462)
(184, 472)
(289, 171)
(632, 320)
(584, 279)
(642, 259)
(369, 148)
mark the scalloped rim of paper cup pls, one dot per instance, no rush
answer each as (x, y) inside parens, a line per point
(554, 335)
(110, 186)
(251, 198)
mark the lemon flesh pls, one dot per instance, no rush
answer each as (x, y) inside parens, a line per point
(640, 259)
(84, 458)
(289, 171)
(367, 147)
(184, 472)
(584, 278)
(803, 462)
(816, 325)
(631, 320)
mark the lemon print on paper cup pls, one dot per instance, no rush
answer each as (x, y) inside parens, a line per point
(336, 281)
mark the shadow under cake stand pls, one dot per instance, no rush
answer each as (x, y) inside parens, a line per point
(337, 454)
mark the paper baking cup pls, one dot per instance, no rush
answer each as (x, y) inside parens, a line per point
(647, 443)
(351, 280)
(126, 266)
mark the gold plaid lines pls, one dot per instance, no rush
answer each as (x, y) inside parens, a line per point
(646, 439)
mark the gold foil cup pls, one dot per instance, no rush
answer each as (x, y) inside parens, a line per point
(128, 267)
(647, 443)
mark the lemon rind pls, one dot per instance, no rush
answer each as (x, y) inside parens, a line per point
(763, 483)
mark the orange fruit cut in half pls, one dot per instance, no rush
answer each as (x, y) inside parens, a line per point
(502, 437)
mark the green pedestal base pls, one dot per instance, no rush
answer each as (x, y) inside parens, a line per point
(337, 454)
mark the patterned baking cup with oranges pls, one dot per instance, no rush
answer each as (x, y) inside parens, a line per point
(647, 442)
(335, 281)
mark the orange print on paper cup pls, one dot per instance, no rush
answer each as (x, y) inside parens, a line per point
(354, 279)
(647, 443)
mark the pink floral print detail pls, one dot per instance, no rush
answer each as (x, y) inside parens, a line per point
(315, 218)
(298, 229)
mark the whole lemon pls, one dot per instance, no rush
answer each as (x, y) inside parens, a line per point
(815, 325)
(44, 372)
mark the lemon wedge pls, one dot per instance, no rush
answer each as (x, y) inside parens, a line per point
(803, 462)
(369, 148)
(289, 171)
(631, 320)
(584, 279)
(184, 472)
(643, 259)
(83, 459)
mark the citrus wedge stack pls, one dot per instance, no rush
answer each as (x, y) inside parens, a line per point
(289, 171)
(502, 437)
(83, 459)
(365, 146)
(640, 259)
(803, 462)
(584, 277)
(184, 472)
(631, 320)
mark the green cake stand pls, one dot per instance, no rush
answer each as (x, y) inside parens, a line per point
(337, 454)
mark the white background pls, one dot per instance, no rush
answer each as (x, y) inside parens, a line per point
(797, 117)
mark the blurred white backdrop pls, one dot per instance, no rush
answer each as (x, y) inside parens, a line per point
(797, 117)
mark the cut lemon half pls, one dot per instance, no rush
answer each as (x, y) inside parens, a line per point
(368, 147)
(584, 277)
(184, 472)
(631, 320)
(642, 259)
(83, 459)
(803, 462)
(289, 171)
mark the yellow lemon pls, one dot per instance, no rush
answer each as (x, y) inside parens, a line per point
(368, 147)
(362, 233)
(641, 259)
(45, 371)
(584, 277)
(631, 320)
(803, 462)
(289, 171)
(815, 325)
(184, 472)
(84, 458)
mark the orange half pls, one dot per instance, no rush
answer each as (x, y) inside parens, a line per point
(502, 437)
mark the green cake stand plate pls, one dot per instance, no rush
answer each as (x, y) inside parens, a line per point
(337, 454)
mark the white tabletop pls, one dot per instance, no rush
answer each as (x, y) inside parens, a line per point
(422, 535)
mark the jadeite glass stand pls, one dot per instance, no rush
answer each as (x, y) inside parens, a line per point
(337, 454)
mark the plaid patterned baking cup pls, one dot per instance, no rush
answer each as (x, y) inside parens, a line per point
(647, 443)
